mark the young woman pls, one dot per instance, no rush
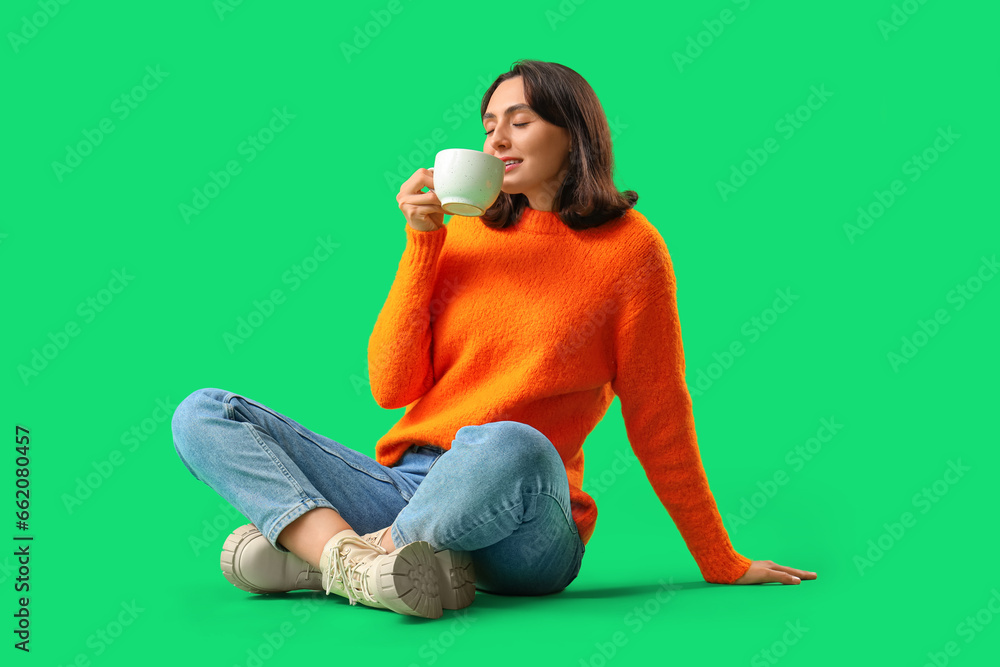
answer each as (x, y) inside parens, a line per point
(506, 338)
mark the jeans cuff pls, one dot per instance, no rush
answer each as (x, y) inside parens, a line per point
(398, 539)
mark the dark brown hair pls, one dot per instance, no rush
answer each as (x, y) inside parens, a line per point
(587, 197)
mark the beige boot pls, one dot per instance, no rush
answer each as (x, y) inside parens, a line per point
(405, 581)
(456, 575)
(251, 563)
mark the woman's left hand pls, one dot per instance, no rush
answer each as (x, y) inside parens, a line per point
(767, 571)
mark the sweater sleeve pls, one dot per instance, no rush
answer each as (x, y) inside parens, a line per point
(657, 411)
(399, 349)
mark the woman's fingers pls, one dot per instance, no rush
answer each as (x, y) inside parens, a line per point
(801, 574)
(767, 571)
(420, 179)
(410, 192)
(784, 577)
(422, 210)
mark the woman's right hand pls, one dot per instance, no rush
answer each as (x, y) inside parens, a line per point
(422, 210)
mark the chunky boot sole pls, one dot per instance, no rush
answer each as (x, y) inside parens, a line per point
(407, 581)
(457, 579)
(456, 575)
(230, 558)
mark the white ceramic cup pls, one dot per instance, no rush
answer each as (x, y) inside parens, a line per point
(467, 182)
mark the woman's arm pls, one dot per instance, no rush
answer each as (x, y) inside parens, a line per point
(399, 349)
(659, 419)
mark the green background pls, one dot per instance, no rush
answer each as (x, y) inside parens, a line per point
(680, 129)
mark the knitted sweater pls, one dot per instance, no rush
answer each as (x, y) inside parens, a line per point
(545, 325)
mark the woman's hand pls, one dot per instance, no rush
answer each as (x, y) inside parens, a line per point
(767, 571)
(422, 210)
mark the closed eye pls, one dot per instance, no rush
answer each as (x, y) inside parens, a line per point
(515, 125)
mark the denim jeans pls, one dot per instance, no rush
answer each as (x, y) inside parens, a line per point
(500, 492)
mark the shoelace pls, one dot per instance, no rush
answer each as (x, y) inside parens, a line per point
(344, 574)
(374, 538)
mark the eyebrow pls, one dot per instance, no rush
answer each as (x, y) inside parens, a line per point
(511, 109)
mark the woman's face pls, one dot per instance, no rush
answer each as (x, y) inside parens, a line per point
(521, 133)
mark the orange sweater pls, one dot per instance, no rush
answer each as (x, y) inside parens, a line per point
(545, 325)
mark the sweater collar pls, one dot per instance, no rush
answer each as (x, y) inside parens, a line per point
(540, 222)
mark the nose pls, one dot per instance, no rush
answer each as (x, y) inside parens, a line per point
(498, 139)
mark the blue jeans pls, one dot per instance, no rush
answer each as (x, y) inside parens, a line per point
(500, 492)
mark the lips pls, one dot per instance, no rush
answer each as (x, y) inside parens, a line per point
(508, 158)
